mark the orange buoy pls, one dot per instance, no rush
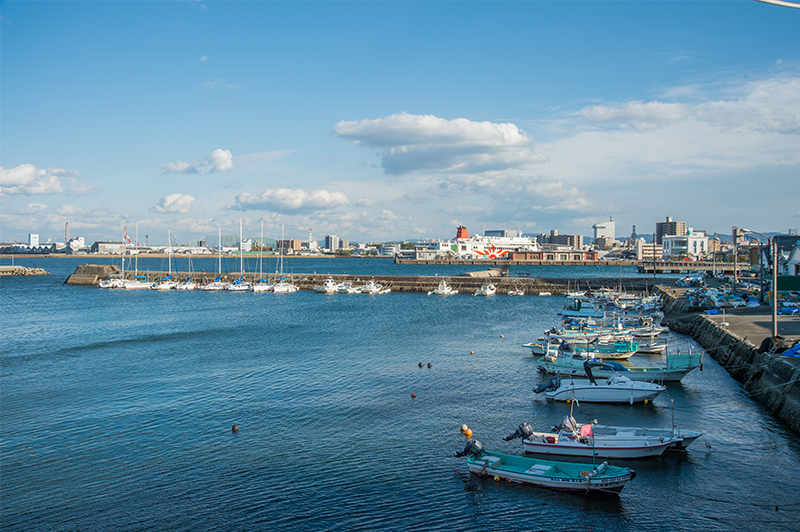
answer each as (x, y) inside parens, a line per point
(472, 352)
(468, 433)
(413, 395)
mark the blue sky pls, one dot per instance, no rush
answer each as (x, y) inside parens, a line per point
(396, 120)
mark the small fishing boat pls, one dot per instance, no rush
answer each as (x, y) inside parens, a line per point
(443, 290)
(328, 286)
(486, 290)
(681, 438)
(676, 368)
(516, 292)
(570, 439)
(371, 287)
(615, 389)
(563, 476)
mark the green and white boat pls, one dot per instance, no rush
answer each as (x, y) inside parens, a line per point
(562, 476)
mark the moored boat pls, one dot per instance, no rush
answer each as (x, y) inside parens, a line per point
(676, 368)
(328, 286)
(570, 439)
(615, 389)
(443, 289)
(563, 476)
(486, 290)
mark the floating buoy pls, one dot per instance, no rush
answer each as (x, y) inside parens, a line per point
(413, 395)
(646, 401)
(235, 428)
(468, 433)
(472, 352)
(568, 401)
(496, 478)
(501, 336)
(420, 364)
(464, 428)
(430, 365)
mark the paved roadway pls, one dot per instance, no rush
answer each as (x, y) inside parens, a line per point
(755, 323)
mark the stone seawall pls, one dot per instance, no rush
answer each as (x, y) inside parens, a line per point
(769, 378)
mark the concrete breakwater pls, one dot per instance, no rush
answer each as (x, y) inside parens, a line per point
(91, 274)
(769, 378)
(21, 270)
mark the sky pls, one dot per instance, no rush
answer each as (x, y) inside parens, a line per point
(388, 121)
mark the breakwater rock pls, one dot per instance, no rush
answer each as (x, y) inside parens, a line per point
(21, 270)
(768, 377)
(91, 274)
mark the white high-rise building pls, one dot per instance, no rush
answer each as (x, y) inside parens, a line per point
(604, 230)
(33, 239)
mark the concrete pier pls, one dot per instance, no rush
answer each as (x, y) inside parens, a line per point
(89, 274)
(734, 339)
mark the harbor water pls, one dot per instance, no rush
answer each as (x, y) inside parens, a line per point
(116, 410)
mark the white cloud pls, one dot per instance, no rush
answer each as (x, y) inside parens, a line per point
(26, 179)
(641, 116)
(220, 84)
(68, 210)
(177, 203)
(218, 160)
(180, 167)
(203, 58)
(33, 208)
(409, 143)
(290, 201)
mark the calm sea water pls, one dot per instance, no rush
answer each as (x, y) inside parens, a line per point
(116, 410)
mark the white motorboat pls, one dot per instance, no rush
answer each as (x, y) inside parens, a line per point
(371, 287)
(284, 286)
(516, 292)
(346, 287)
(570, 439)
(136, 284)
(443, 290)
(615, 389)
(676, 368)
(581, 307)
(263, 286)
(328, 286)
(486, 290)
(681, 438)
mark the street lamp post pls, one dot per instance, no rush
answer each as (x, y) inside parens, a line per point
(774, 246)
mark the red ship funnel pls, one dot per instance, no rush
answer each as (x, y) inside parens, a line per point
(461, 232)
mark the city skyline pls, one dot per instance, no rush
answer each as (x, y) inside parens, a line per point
(395, 121)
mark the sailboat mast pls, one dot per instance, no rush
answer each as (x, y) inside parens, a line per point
(241, 257)
(219, 252)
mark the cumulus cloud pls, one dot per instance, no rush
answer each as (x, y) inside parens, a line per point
(409, 143)
(290, 201)
(642, 116)
(179, 203)
(28, 180)
(217, 161)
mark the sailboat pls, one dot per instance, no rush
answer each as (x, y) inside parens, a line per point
(283, 285)
(117, 280)
(166, 283)
(136, 283)
(239, 285)
(216, 285)
(188, 284)
(263, 285)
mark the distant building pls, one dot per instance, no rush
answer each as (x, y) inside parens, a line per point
(500, 233)
(389, 250)
(33, 239)
(604, 230)
(669, 228)
(574, 241)
(331, 242)
(690, 245)
(106, 248)
(647, 252)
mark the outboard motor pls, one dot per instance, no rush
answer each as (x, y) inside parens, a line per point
(474, 448)
(549, 386)
(524, 431)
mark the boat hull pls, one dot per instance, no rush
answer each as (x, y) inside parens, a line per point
(551, 475)
(604, 448)
(624, 392)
